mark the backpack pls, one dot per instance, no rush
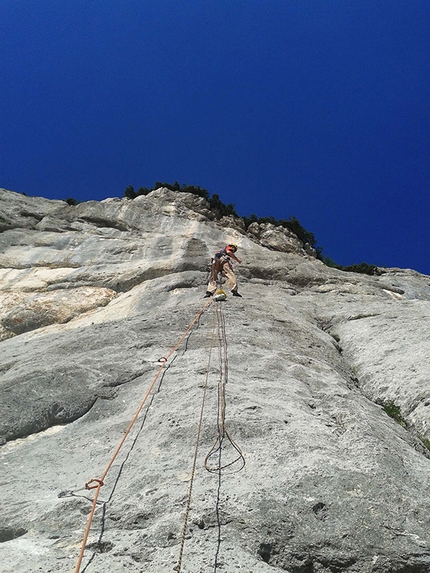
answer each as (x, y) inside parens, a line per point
(220, 253)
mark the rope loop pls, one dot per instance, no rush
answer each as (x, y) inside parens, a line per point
(218, 446)
(216, 449)
(97, 483)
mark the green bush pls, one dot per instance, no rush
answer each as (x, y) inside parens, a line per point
(249, 220)
(393, 411)
(129, 192)
(293, 224)
(142, 191)
(329, 262)
(218, 208)
(363, 268)
(425, 441)
(184, 188)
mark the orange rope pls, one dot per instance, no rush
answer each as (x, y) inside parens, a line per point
(100, 481)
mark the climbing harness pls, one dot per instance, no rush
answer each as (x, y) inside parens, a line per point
(220, 259)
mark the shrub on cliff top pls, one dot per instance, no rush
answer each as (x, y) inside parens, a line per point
(216, 205)
(293, 224)
(220, 209)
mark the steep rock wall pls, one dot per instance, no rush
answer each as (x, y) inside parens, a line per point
(93, 295)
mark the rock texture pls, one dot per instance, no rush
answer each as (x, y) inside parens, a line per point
(93, 295)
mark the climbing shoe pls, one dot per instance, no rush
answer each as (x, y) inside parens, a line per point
(207, 294)
(235, 293)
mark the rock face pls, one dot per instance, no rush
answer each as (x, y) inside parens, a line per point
(325, 377)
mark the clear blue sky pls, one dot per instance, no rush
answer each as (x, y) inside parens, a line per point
(318, 109)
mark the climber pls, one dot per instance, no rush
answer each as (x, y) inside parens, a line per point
(221, 265)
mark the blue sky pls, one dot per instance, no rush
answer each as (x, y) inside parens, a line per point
(317, 109)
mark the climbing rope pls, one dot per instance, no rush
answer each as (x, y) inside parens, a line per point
(223, 433)
(219, 328)
(97, 483)
(196, 447)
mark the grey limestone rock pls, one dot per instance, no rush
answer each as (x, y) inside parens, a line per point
(326, 386)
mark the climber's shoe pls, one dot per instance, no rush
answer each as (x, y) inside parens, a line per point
(207, 294)
(235, 293)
